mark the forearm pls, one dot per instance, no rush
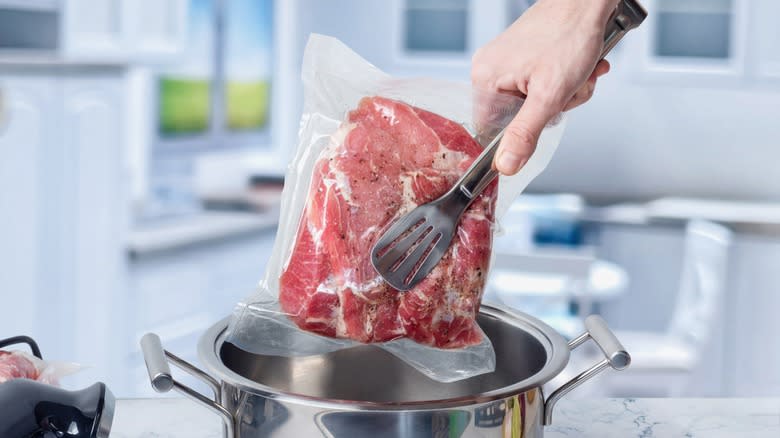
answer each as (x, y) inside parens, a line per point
(589, 16)
(589, 13)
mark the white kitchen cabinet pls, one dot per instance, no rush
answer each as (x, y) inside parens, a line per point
(92, 28)
(179, 293)
(743, 358)
(62, 210)
(753, 362)
(95, 200)
(653, 272)
(24, 138)
(156, 29)
(108, 30)
(767, 38)
(649, 302)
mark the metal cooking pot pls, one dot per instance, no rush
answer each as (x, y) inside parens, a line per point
(366, 391)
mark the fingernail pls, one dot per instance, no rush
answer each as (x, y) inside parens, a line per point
(509, 162)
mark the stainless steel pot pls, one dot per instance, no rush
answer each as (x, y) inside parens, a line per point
(366, 391)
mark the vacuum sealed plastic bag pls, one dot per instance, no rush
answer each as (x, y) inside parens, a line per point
(371, 149)
(21, 365)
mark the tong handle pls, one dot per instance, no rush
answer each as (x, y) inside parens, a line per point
(628, 15)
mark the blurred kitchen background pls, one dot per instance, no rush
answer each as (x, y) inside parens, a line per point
(143, 143)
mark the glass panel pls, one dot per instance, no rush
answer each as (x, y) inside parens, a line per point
(695, 6)
(248, 64)
(28, 30)
(685, 34)
(436, 26)
(437, 4)
(184, 87)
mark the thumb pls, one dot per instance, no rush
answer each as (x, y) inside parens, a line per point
(522, 133)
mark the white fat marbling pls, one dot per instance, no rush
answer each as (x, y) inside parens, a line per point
(598, 418)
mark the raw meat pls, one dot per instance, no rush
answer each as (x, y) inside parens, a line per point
(16, 366)
(387, 158)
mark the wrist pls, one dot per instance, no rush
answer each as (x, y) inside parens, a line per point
(606, 7)
(598, 11)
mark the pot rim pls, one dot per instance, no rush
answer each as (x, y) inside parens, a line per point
(555, 346)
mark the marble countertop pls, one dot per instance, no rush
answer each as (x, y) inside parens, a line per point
(597, 418)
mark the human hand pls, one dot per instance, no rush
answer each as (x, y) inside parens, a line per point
(551, 56)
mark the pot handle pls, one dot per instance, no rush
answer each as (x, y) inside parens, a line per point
(615, 356)
(156, 359)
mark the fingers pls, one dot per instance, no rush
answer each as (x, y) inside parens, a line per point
(582, 95)
(585, 92)
(484, 103)
(492, 111)
(522, 133)
(601, 69)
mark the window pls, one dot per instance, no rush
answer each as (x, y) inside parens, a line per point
(698, 42)
(213, 98)
(436, 25)
(218, 94)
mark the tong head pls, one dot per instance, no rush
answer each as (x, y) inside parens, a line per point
(408, 251)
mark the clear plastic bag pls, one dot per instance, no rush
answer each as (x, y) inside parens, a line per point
(341, 192)
(19, 364)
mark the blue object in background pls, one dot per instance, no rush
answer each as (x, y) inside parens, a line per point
(554, 219)
(551, 229)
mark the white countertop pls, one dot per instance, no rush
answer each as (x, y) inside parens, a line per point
(597, 418)
(742, 216)
(162, 235)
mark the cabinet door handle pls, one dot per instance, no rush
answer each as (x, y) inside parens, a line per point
(3, 111)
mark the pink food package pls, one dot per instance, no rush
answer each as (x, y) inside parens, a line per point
(386, 159)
